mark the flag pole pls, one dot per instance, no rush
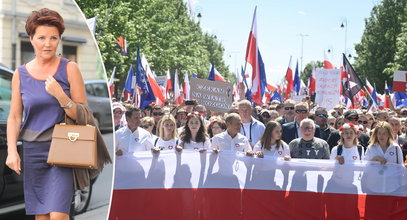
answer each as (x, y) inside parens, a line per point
(247, 53)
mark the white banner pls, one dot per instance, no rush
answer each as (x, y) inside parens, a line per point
(327, 87)
(191, 169)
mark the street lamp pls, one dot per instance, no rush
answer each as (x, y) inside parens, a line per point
(302, 47)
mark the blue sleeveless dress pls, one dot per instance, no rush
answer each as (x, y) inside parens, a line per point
(46, 188)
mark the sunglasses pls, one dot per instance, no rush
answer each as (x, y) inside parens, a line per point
(146, 126)
(117, 112)
(289, 108)
(322, 116)
(265, 116)
(299, 111)
(362, 122)
(158, 113)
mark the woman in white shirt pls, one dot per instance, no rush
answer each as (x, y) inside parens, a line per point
(167, 134)
(194, 135)
(271, 144)
(382, 146)
(348, 149)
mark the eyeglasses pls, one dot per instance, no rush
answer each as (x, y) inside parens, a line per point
(146, 126)
(362, 122)
(301, 111)
(353, 119)
(117, 112)
(307, 128)
(265, 116)
(322, 116)
(158, 113)
(289, 108)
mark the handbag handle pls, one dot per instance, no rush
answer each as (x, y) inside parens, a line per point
(86, 114)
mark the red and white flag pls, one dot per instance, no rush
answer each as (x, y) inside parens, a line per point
(311, 84)
(230, 185)
(177, 93)
(400, 81)
(289, 77)
(111, 83)
(253, 60)
(151, 79)
(168, 84)
(327, 62)
(187, 87)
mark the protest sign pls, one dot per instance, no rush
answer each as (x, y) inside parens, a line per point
(327, 87)
(214, 95)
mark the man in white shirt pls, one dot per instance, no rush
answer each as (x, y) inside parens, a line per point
(231, 139)
(251, 128)
(132, 138)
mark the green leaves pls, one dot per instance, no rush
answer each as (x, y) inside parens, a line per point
(162, 29)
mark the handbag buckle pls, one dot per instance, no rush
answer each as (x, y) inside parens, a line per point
(73, 136)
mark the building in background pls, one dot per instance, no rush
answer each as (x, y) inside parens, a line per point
(77, 42)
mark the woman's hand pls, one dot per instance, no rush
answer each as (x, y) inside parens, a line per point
(260, 154)
(155, 150)
(249, 153)
(13, 161)
(382, 160)
(340, 159)
(215, 150)
(201, 150)
(178, 148)
(53, 87)
(287, 158)
(119, 152)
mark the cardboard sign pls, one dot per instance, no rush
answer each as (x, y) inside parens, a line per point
(327, 87)
(400, 81)
(214, 95)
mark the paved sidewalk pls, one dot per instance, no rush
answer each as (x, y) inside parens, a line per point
(95, 214)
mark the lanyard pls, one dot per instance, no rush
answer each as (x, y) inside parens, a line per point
(250, 132)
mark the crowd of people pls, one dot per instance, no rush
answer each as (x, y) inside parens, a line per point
(287, 130)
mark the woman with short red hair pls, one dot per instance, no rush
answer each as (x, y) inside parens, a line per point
(43, 91)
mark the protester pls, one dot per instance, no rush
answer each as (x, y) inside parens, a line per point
(231, 139)
(265, 116)
(118, 111)
(328, 133)
(292, 130)
(339, 122)
(308, 146)
(271, 144)
(194, 135)
(288, 112)
(181, 117)
(401, 141)
(132, 138)
(348, 149)
(382, 147)
(216, 126)
(167, 134)
(352, 116)
(364, 122)
(331, 121)
(251, 128)
(148, 124)
(157, 113)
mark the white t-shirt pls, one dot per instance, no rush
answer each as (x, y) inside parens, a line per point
(197, 145)
(130, 142)
(349, 154)
(282, 151)
(165, 145)
(390, 155)
(223, 141)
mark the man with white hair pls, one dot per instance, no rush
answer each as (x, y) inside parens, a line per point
(308, 146)
(251, 128)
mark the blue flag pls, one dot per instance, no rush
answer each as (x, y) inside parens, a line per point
(297, 82)
(276, 96)
(248, 91)
(146, 93)
(194, 75)
(374, 95)
(212, 73)
(127, 85)
(401, 99)
(263, 80)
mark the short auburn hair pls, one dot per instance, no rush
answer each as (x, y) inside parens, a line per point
(45, 17)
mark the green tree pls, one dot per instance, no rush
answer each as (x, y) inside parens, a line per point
(306, 73)
(163, 30)
(379, 41)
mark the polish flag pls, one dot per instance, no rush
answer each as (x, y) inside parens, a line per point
(311, 84)
(229, 185)
(187, 87)
(387, 99)
(177, 92)
(253, 60)
(168, 84)
(111, 83)
(289, 77)
(151, 79)
(370, 89)
(327, 62)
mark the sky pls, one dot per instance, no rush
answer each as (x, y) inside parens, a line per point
(280, 24)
